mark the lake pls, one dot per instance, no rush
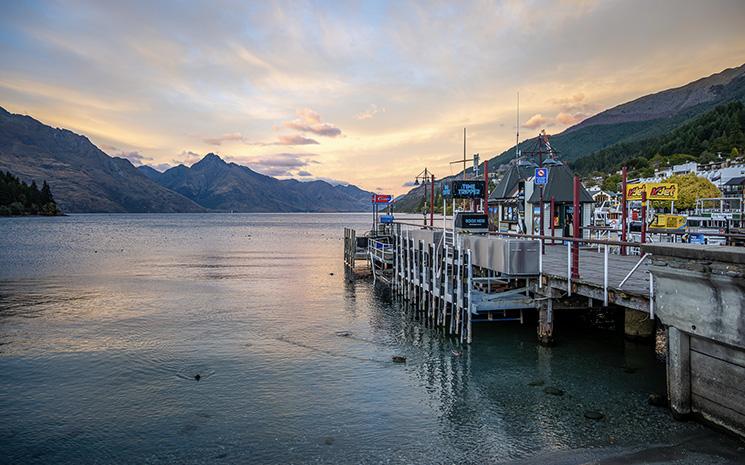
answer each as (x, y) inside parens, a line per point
(106, 320)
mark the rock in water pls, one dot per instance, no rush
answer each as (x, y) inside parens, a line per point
(658, 400)
(594, 415)
(398, 359)
(328, 440)
(537, 382)
(343, 333)
(197, 376)
(553, 391)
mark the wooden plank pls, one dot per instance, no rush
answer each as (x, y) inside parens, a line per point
(719, 414)
(720, 351)
(718, 381)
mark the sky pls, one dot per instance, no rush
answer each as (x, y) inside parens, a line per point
(368, 93)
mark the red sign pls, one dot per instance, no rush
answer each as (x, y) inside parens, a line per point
(382, 198)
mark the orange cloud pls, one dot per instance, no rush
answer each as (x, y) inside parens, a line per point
(535, 121)
(569, 119)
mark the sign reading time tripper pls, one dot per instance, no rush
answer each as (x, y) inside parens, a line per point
(654, 190)
(462, 189)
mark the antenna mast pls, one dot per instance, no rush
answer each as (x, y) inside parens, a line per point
(517, 127)
(464, 153)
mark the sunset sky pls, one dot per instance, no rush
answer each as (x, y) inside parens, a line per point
(368, 93)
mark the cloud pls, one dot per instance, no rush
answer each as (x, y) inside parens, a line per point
(187, 157)
(278, 164)
(409, 184)
(135, 157)
(568, 119)
(535, 121)
(310, 121)
(295, 139)
(233, 136)
(161, 167)
(371, 111)
(573, 109)
(304, 173)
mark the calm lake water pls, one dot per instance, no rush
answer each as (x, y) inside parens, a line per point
(106, 319)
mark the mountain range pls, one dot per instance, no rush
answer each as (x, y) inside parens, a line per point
(221, 186)
(642, 120)
(84, 179)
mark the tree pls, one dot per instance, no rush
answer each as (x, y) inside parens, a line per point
(691, 188)
(612, 183)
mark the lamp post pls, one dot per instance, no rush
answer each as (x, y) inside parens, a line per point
(426, 176)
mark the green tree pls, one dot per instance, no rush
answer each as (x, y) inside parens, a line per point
(691, 188)
(612, 183)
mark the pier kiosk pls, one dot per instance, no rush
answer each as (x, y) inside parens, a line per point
(458, 275)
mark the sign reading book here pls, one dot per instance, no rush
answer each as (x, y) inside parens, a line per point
(654, 190)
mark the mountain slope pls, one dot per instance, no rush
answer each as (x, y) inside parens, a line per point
(641, 119)
(82, 177)
(222, 186)
(718, 130)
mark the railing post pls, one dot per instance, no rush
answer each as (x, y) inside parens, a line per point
(577, 218)
(651, 296)
(553, 215)
(569, 269)
(644, 217)
(624, 209)
(605, 276)
(540, 270)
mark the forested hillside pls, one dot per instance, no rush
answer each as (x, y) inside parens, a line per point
(721, 130)
(19, 198)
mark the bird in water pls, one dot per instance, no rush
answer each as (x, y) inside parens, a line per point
(197, 376)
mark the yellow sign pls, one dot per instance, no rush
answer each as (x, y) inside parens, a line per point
(654, 190)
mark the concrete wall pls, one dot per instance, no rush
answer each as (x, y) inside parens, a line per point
(699, 294)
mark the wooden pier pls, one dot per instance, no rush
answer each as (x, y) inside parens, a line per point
(452, 281)
(444, 276)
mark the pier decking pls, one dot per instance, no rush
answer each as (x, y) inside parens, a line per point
(592, 274)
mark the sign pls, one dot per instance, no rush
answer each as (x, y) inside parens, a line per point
(654, 190)
(386, 219)
(472, 221)
(382, 198)
(541, 176)
(446, 190)
(462, 189)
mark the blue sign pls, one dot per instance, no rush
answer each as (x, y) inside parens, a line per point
(445, 190)
(541, 176)
(462, 189)
(386, 219)
(696, 238)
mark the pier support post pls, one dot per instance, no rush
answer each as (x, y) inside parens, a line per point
(637, 325)
(546, 322)
(679, 372)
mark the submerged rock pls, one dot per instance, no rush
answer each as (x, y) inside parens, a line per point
(537, 382)
(594, 415)
(328, 440)
(658, 400)
(398, 359)
(553, 391)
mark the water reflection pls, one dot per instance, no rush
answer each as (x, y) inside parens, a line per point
(105, 320)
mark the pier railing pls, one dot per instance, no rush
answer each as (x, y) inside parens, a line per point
(615, 280)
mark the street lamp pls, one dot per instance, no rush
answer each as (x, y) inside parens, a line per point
(427, 176)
